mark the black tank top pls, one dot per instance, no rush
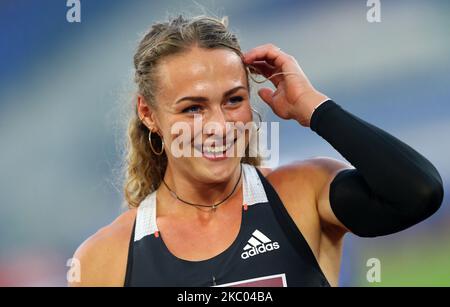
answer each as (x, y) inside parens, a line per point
(268, 251)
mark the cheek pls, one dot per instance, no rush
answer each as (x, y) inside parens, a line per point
(180, 129)
(243, 114)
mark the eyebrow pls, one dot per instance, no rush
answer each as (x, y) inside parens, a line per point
(203, 99)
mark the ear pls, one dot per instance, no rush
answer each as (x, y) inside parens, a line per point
(146, 114)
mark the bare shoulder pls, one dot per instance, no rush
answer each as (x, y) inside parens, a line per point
(299, 185)
(313, 172)
(103, 256)
(264, 170)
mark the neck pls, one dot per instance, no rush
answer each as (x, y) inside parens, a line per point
(193, 191)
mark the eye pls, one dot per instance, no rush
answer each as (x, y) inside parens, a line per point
(236, 99)
(192, 109)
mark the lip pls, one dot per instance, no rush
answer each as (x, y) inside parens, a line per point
(220, 157)
(215, 156)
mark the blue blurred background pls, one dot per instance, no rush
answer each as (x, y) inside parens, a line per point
(64, 88)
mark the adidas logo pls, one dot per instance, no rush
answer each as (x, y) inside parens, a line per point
(258, 244)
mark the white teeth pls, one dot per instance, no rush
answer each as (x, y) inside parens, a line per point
(217, 149)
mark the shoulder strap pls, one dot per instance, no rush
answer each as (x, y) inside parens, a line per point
(146, 217)
(253, 188)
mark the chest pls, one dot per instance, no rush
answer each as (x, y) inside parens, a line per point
(202, 238)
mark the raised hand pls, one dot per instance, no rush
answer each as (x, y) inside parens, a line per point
(294, 97)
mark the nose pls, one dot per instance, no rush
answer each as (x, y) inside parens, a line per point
(216, 123)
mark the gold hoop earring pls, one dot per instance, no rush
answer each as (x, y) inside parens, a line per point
(260, 118)
(151, 144)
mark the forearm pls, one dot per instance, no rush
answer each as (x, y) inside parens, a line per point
(392, 188)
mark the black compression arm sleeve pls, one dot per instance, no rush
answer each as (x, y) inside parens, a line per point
(392, 186)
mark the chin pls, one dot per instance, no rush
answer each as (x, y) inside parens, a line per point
(221, 170)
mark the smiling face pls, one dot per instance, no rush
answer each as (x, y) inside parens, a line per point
(203, 88)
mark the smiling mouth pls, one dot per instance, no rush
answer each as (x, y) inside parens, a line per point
(215, 150)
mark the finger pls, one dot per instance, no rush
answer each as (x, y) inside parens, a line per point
(269, 53)
(267, 70)
(262, 68)
(268, 61)
(267, 95)
(254, 53)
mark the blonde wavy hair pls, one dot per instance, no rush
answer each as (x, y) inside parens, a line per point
(144, 170)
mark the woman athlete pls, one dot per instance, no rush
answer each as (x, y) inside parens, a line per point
(219, 220)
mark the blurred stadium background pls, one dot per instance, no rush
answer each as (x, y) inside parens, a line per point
(63, 87)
